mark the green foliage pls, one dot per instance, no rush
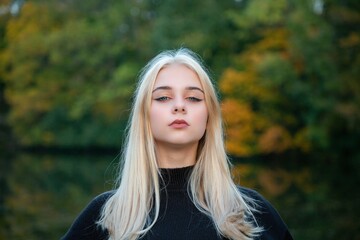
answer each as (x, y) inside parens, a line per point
(70, 69)
(61, 87)
(289, 76)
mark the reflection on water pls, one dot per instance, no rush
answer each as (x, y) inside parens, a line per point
(44, 193)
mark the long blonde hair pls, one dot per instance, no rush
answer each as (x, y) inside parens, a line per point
(126, 215)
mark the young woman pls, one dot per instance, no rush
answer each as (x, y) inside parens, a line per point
(175, 181)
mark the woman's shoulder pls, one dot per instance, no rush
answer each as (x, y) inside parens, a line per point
(250, 192)
(103, 197)
(97, 202)
(85, 225)
(256, 200)
(265, 215)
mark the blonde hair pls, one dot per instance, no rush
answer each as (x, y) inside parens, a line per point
(126, 215)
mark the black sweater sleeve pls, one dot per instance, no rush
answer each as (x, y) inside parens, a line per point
(268, 218)
(84, 226)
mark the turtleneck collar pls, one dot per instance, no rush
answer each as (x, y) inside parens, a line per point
(175, 178)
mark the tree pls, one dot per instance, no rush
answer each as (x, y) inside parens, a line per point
(288, 77)
(56, 83)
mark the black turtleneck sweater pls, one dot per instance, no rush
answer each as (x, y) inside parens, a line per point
(179, 219)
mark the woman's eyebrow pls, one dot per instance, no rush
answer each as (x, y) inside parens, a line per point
(169, 88)
(194, 88)
(162, 88)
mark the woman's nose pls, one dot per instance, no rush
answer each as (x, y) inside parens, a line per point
(179, 107)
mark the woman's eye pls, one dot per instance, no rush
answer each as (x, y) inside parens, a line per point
(194, 99)
(161, 99)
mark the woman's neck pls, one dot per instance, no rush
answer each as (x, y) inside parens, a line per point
(176, 157)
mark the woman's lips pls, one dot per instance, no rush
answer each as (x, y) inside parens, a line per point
(179, 123)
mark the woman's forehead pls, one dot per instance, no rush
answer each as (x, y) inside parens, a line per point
(177, 75)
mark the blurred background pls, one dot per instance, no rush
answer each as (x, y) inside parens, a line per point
(288, 77)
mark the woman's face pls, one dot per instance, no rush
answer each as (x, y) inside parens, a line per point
(178, 113)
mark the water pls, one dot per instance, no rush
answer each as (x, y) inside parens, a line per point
(42, 194)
